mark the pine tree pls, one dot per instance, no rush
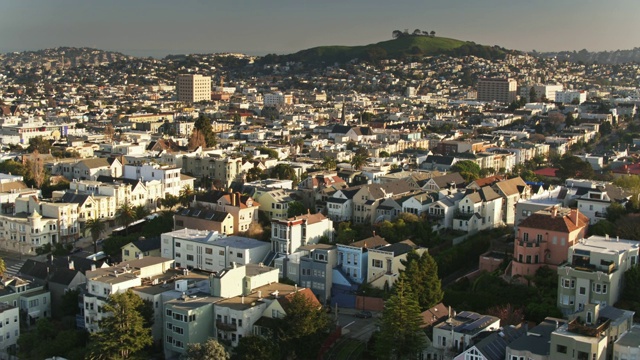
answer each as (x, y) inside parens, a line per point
(122, 334)
(421, 274)
(400, 334)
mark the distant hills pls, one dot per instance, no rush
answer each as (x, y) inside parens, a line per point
(600, 57)
(401, 47)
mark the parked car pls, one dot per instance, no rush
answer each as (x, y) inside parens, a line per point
(364, 314)
(76, 250)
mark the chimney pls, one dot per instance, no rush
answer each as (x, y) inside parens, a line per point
(71, 265)
(93, 267)
(232, 196)
(259, 294)
(554, 212)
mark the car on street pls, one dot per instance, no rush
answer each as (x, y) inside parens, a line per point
(364, 314)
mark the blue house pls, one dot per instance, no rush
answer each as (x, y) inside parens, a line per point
(352, 258)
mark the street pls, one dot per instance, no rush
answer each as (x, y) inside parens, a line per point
(357, 328)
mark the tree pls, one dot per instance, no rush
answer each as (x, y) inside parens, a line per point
(125, 215)
(533, 96)
(95, 227)
(140, 212)
(468, 169)
(396, 34)
(570, 120)
(210, 350)
(3, 266)
(255, 173)
(122, 334)
(256, 348)
(417, 32)
(384, 154)
(284, 172)
(109, 132)
(329, 163)
(358, 161)
(628, 227)
(186, 195)
(169, 201)
(573, 167)
(304, 326)
(36, 167)
(346, 235)
(432, 33)
(40, 144)
(196, 140)
(296, 208)
(400, 333)
(508, 314)
(203, 124)
(421, 274)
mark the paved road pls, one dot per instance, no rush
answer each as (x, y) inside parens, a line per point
(357, 328)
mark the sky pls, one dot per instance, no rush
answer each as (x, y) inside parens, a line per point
(257, 27)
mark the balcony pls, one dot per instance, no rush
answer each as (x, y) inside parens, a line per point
(529, 244)
(577, 327)
(463, 215)
(220, 325)
(601, 214)
(436, 215)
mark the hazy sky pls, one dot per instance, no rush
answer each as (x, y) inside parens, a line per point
(160, 27)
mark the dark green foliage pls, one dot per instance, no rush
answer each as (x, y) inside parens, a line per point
(123, 334)
(69, 303)
(400, 333)
(421, 274)
(203, 124)
(256, 348)
(50, 339)
(573, 167)
(304, 327)
(210, 350)
(602, 228)
(465, 255)
(296, 208)
(284, 172)
(468, 169)
(38, 143)
(490, 290)
(408, 226)
(269, 152)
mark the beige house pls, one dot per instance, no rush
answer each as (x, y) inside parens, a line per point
(220, 169)
(141, 248)
(385, 263)
(369, 197)
(243, 209)
(512, 191)
(212, 220)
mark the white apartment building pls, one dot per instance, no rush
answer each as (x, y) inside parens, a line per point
(211, 251)
(193, 88)
(278, 98)
(567, 96)
(548, 91)
(288, 235)
(9, 328)
(116, 279)
(169, 176)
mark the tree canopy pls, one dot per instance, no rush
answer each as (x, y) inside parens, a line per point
(421, 275)
(573, 167)
(256, 348)
(400, 333)
(468, 169)
(304, 327)
(122, 334)
(209, 350)
(203, 125)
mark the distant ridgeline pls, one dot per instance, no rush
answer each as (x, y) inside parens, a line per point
(600, 57)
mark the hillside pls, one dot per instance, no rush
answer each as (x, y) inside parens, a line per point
(392, 49)
(600, 57)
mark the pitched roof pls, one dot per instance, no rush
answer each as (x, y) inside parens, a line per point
(494, 346)
(150, 244)
(444, 180)
(63, 276)
(400, 248)
(311, 218)
(374, 242)
(70, 197)
(306, 292)
(512, 186)
(434, 315)
(94, 163)
(563, 222)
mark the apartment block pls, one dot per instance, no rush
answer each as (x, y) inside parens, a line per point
(192, 88)
(594, 272)
(497, 89)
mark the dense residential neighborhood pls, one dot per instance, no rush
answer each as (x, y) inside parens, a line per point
(488, 205)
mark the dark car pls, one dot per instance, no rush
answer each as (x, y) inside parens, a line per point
(364, 314)
(76, 250)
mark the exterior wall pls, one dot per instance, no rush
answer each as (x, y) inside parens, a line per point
(193, 88)
(591, 347)
(10, 331)
(353, 262)
(501, 90)
(223, 227)
(186, 323)
(131, 252)
(232, 324)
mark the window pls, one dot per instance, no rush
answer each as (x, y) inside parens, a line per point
(178, 330)
(221, 252)
(169, 326)
(376, 263)
(189, 257)
(568, 283)
(583, 290)
(561, 349)
(177, 244)
(208, 251)
(169, 312)
(126, 253)
(169, 339)
(192, 317)
(239, 255)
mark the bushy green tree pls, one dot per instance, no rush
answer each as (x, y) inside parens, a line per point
(421, 275)
(574, 167)
(296, 208)
(468, 169)
(123, 334)
(209, 350)
(203, 124)
(256, 348)
(304, 327)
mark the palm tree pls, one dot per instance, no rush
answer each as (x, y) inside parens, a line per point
(125, 215)
(358, 161)
(95, 227)
(169, 201)
(329, 163)
(185, 195)
(141, 212)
